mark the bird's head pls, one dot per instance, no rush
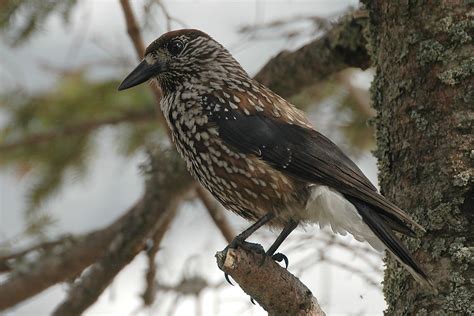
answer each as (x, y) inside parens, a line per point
(177, 56)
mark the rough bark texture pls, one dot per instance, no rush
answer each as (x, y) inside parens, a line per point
(423, 94)
(273, 287)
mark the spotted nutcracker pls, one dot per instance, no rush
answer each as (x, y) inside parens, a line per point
(258, 154)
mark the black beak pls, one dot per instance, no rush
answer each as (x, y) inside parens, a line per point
(140, 74)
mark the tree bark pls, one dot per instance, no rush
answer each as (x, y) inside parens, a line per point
(273, 287)
(423, 94)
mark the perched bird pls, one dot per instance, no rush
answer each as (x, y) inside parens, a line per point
(258, 154)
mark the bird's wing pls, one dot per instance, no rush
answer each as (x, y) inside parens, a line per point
(307, 155)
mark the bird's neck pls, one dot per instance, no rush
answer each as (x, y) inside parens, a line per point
(203, 82)
(187, 100)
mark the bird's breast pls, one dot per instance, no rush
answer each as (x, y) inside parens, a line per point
(242, 182)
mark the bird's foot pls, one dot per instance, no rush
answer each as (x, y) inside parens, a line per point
(255, 248)
(249, 246)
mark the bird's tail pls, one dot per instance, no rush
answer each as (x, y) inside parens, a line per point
(382, 230)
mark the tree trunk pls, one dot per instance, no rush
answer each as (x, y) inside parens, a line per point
(423, 93)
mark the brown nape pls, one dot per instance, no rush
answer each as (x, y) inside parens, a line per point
(164, 39)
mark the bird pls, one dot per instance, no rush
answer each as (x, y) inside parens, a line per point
(259, 155)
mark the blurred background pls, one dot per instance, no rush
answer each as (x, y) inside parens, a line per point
(71, 146)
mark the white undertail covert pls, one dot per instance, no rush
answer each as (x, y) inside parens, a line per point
(326, 206)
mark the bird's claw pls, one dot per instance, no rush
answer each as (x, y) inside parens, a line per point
(252, 247)
(226, 276)
(279, 257)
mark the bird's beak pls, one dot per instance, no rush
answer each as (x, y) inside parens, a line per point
(140, 74)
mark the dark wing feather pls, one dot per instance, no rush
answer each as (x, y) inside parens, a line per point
(308, 155)
(384, 233)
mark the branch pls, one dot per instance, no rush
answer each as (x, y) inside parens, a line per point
(151, 288)
(169, 182)
(52, 269)
(6, 266)
(80, 128)
(288, 73)
(168, 179)
(121, 252)
(135, 36)
(132, 28)
(273, 287)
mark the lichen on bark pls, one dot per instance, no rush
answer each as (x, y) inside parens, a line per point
(423, 94)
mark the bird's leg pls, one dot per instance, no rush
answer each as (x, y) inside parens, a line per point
(239, 240)
(279, 257)
(289, 227)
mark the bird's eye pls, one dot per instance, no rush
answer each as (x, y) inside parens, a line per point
(175, 47)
